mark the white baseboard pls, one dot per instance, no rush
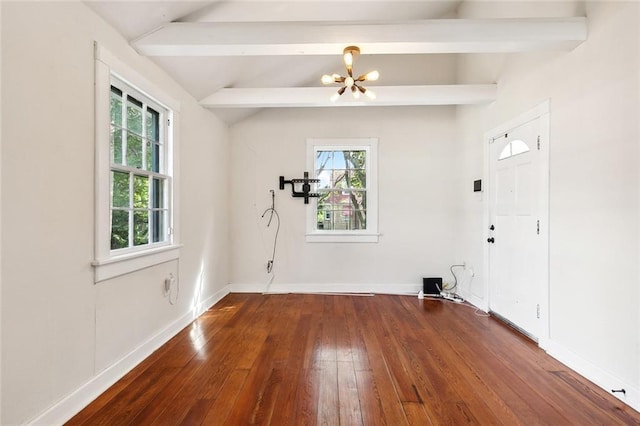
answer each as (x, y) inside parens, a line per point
(597, 375)
(474, 300)
(327, 288)
(71, 404)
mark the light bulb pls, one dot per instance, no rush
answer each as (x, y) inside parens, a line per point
(372, 76)
(334, 97)
(348, 59)
(336, 77)
(370, 94)
(356, 94)
(327, 79)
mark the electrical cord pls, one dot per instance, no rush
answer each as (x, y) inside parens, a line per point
(455, 278)
(177, 281)
(273, 211)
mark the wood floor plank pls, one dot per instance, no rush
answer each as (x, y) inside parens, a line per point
(307, 397)
(219, 411)
(416, 415)
(369, 397)
(349, 360)
(328, 402)
(348, 401)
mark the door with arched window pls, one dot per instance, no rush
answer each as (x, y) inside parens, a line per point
(516, 255)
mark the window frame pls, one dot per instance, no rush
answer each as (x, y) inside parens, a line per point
(112, 263)
(163, 173)
(368, 235)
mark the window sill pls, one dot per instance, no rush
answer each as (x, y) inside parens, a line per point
(342, 238)
(116, 266)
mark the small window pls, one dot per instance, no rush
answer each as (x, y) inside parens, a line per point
(513, 148)
(346, 209)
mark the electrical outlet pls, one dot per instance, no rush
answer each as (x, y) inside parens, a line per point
(168, 284)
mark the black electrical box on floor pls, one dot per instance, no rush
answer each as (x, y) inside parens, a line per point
(431, 286)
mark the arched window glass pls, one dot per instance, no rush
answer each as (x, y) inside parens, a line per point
(513, 148)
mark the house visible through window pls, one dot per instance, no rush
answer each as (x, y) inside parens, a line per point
(346, 209)
(139, 180)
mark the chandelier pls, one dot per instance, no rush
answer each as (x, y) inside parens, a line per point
(348, 82)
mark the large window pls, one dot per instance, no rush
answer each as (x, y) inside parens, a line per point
(346, 210)
(140, 186)
(135, 200)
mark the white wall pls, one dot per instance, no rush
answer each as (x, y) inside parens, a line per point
(416, 175)
(594, 183)
(59, 330)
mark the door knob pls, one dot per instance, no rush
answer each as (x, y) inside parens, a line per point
(491, 240)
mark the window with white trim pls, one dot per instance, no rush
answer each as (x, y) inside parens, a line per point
(346, 209)
(135, 175)
(140, 183)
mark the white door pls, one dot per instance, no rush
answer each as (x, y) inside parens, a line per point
(517, 259)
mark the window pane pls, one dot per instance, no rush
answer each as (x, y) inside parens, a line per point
(140, 227)
(140, 192)
(116, 145)
(153, 156)
(134, 115)
(119, 229)
(339, 179)
(325, 179)
(116, 106)
(159, 227)
(358, 178)
(324, 160)
(153, 125)
(518, 147)
(342, 210)
(355, 159)
(134, 151)
(157, 190)
(120, 189)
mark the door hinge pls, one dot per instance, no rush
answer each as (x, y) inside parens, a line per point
(538, 142)
(538, 227)
(538, 311)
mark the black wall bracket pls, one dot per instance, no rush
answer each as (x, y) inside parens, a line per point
(306, 187)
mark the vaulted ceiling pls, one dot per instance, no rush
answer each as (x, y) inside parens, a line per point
(237, 56)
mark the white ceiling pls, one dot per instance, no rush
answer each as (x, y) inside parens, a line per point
(213, 45)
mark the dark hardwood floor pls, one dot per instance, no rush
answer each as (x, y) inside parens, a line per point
(351, 360)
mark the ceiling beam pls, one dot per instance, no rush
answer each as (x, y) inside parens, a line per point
(319, 38)
(287, 97)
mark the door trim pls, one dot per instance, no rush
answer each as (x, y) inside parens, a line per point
(541, 112)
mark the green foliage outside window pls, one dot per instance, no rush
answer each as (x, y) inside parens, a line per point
(133, 212)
